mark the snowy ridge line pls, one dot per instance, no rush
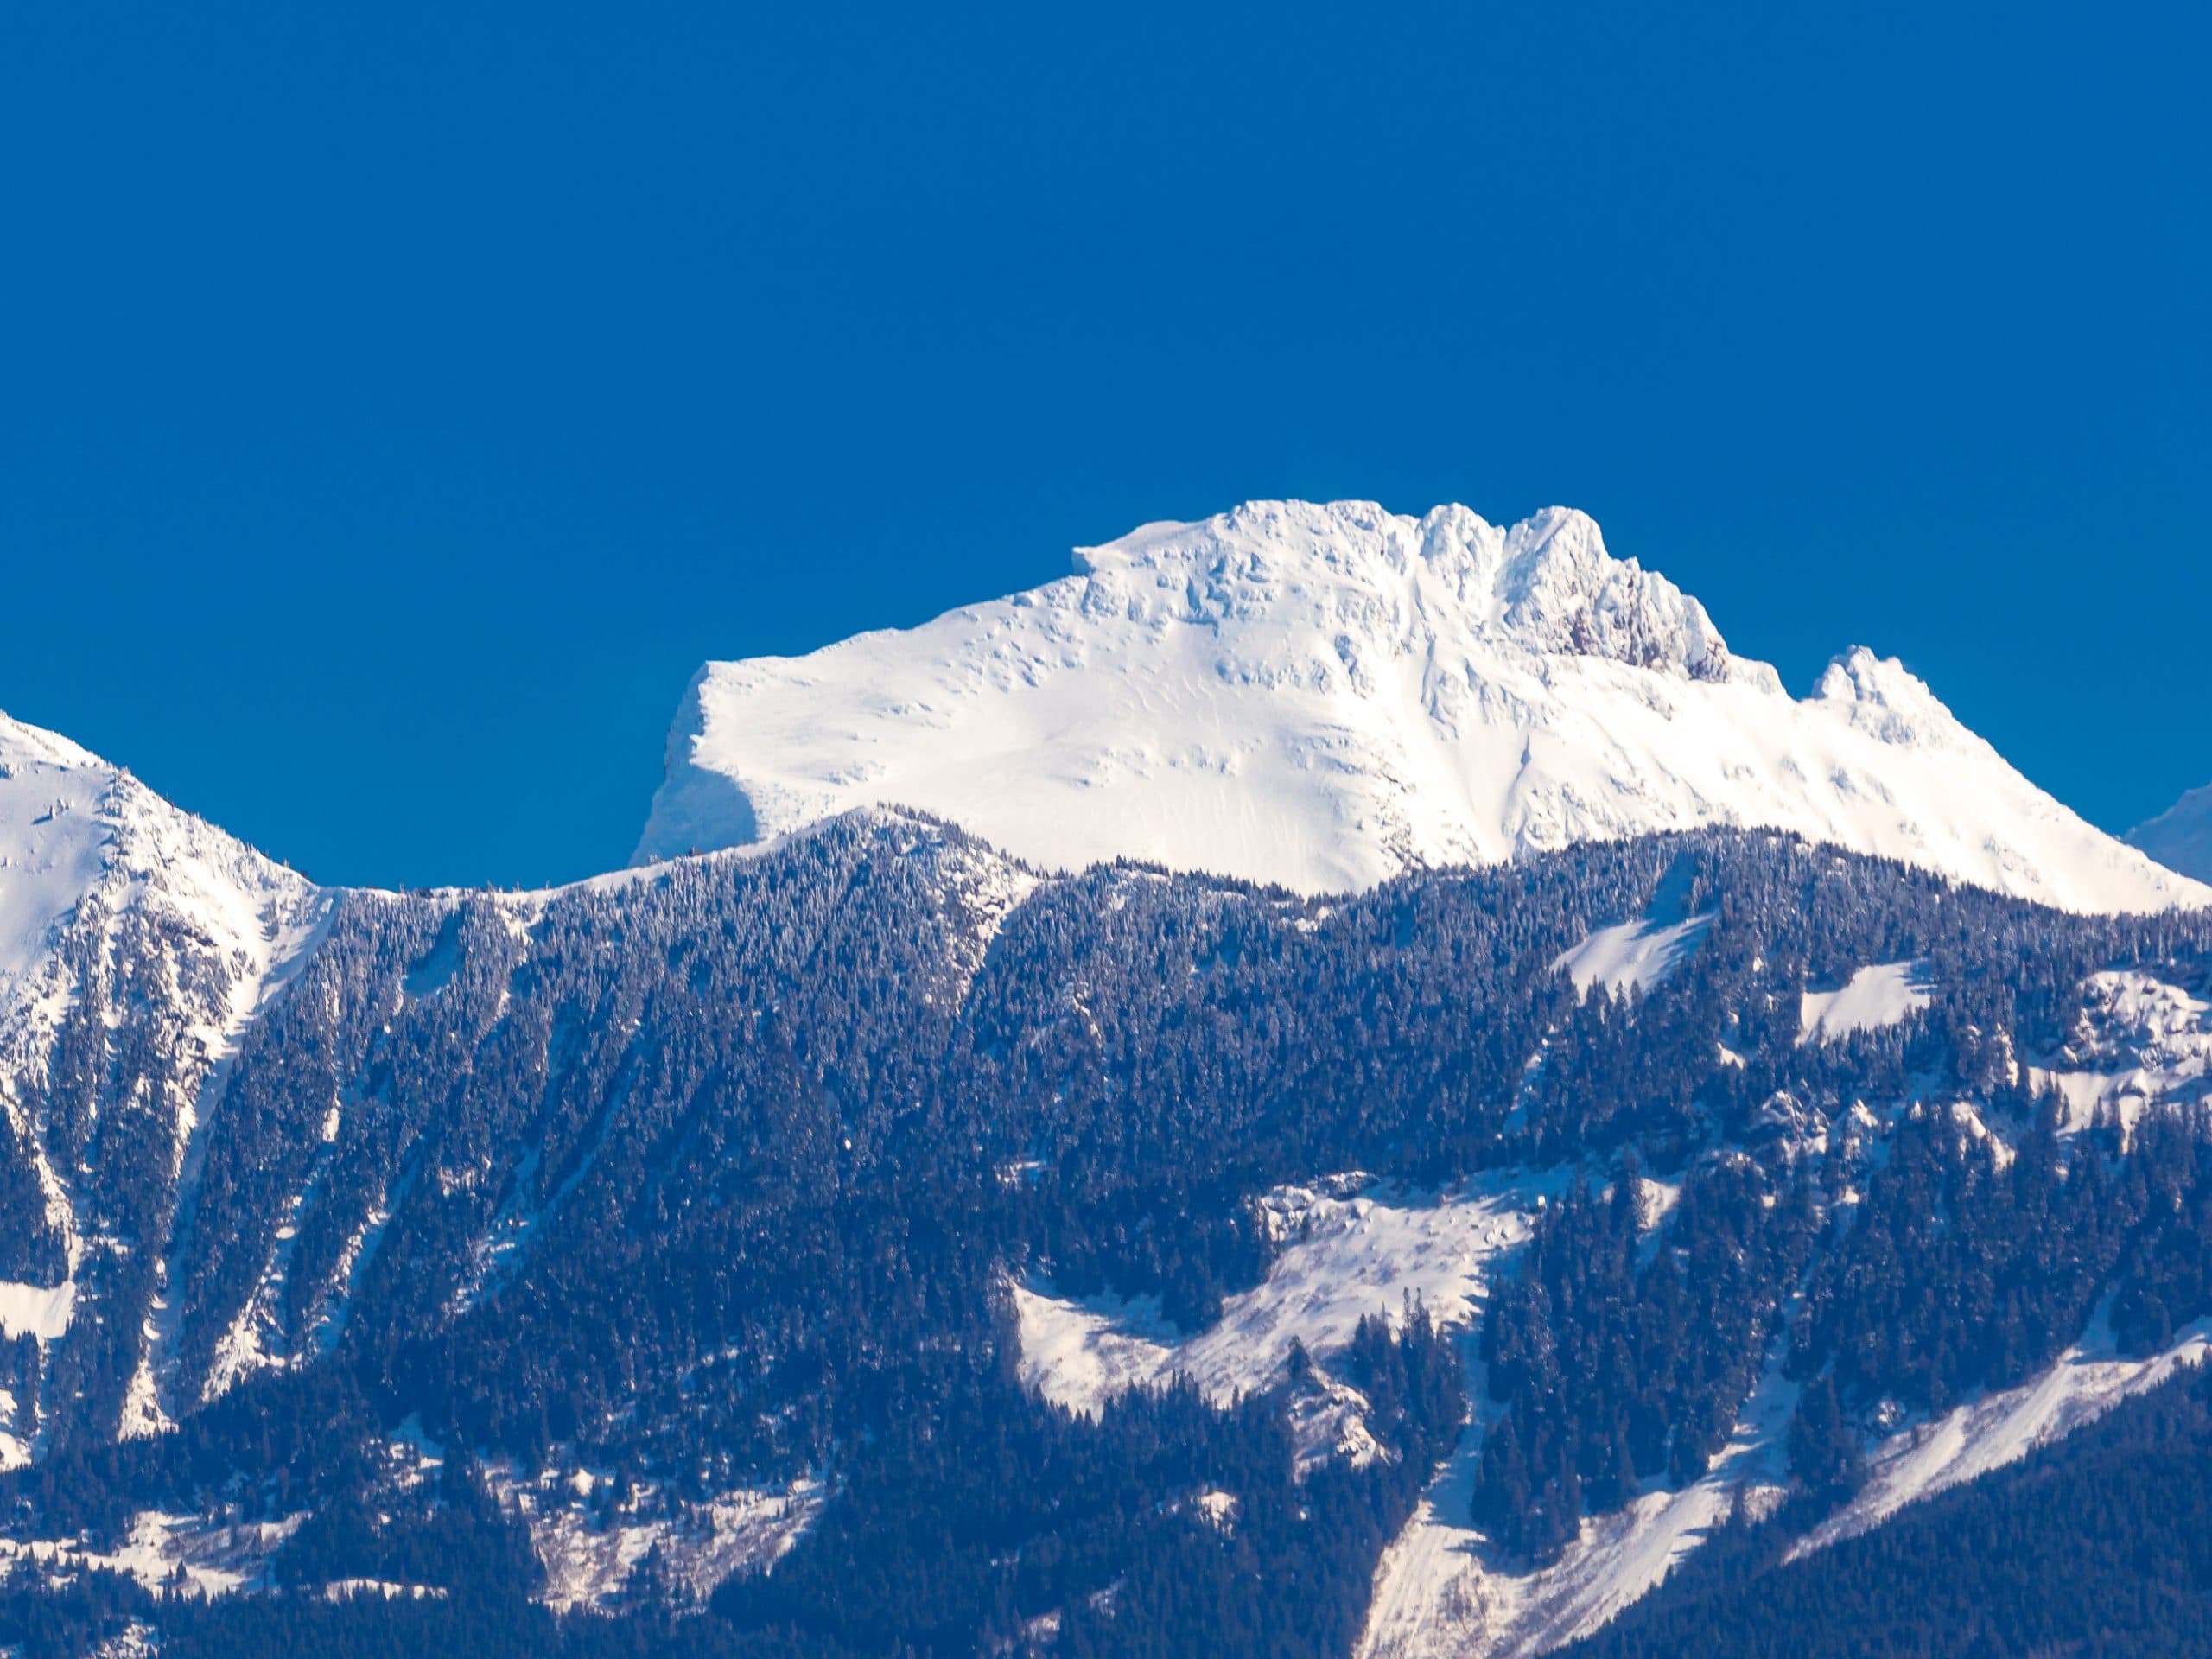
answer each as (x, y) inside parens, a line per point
(1322, 696)
(119, 908)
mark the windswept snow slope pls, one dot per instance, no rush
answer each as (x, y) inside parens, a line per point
(1441, 1592)
(1323, 696)
(86, 847)
(2181, 836)
(1998, 1428)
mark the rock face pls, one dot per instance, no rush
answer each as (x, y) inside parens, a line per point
(1324, 695)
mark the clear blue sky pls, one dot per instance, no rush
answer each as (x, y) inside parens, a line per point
(400, 401)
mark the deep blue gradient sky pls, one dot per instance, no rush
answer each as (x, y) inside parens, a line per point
(400, 401)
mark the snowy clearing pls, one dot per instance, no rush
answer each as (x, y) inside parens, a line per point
(39, 1310)
(1874, 997)
(216, 1558)
(1344, 1257)
(590, 1563)
(1632, 953)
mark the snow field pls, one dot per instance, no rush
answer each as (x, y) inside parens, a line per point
(1631, 955)
(1345, 1256)
(1873, 998)
(1324, 695)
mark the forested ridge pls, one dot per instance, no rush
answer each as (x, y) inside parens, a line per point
(714, 1177)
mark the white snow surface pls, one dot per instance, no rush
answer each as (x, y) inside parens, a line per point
(1638, 955)
(2181, 836)
(40, 1310)
(1324, 695)
(1348, 1253)
(2138, 1039)
(1873, 998)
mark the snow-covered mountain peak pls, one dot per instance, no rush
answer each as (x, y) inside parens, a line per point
(23, 745)
(1883, 698)
(135, 924)
(74, 827)
(1547, 585)
(1323, 695)
(52, 843)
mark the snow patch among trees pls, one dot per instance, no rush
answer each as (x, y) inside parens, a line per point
(1631, 955)
(2002, 1428)
(1344, 1258)
(2138, 1039)
(1873, 997)
(650, 1545)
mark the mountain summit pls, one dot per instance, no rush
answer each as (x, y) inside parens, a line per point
(1324, 695)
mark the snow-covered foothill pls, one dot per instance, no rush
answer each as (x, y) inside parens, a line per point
(1324, 696)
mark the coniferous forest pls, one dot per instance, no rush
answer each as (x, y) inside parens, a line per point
(601, 1208)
